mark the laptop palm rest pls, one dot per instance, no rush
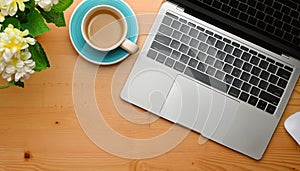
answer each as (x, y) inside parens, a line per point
(199, 108)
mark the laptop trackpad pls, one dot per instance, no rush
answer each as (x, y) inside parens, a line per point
(191, 104)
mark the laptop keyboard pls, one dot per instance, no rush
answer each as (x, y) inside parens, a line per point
(280, 18)
(219, 62)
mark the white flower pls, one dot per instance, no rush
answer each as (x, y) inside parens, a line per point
(15, 62)
(10, 7)
(46, 4)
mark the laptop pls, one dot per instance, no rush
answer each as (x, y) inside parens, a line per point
(222, 68)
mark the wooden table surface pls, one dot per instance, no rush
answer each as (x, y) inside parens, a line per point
(39, 129)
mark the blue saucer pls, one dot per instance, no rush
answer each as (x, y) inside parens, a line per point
(87, 52)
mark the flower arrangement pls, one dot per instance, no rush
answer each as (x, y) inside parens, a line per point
(21, 21)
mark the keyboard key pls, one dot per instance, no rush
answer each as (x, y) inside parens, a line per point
(253, 52)
(228, 49)
(175, 54)
(269, 97)
(163, 39)
(273, 79)
(288, 68)
(254, 60)
(229, 59)
(245, 76)
(175, 44)
(167, 20)
(252, 100)
(183, 48)
(202, 67)
(218, 64)
(247, 67)
(263, 84)
(201, 56)
(254, 80)
(237, 83)
(194, 43)
(275, 90)
(218, 36)
(228, 79)
(210, 60)
(183, 20)
(161, 48)
(220, 75)
(220, 55)
(255, 91)
(284, 73)
(261, 104)
(191, 24)
(234, 92)
(227, 68)
(203, 47)
(184, 28)
(185, 39)
(151, 54)
(171, 15)
(209, 32)
(263, 64)
(176, 35)
(165, 30)
(255, 71)
(212, 51)
(210, 71)
(179, 66)
(237, 52)
(202, 37)
(220, 45)
(211, 41)
(170, 62)
(161, 58)
(264, 75)
(272, 68)
(193, 63)
(193, 32)
(184, 59)
(206, 79)
(271, 109)
(238, 63)
(236, 72)
(192, 52)
(246, 56)
(176, 24)
(246, 87)
(244, 96)
(282, 83)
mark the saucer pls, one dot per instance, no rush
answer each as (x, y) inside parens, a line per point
(90, 54)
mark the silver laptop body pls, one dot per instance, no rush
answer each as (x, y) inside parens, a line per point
(206, 108)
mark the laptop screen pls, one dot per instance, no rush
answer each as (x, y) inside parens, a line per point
(272, 24)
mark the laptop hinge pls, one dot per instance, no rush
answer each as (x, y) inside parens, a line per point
(285, 56)
(180, 8)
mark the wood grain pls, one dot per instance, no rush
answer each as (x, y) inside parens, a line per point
(39, 129)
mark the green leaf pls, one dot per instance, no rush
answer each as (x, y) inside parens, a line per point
(30, 4)
(39, 56)
(10, 20)
(19, 84)
(13, 83)
(62, 6)
(54, 17)
(35, 25)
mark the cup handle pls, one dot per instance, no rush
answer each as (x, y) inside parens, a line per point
(129, 46)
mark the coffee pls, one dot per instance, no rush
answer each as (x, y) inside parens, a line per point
(104, 28)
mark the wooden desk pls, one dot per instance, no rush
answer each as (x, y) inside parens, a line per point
(39, 129)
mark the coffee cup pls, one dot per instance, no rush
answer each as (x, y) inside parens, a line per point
(104, 28)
